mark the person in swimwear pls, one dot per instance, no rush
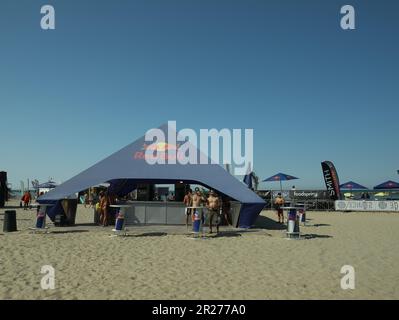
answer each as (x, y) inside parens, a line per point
(213, 205)
(279, 203)
(188, 202)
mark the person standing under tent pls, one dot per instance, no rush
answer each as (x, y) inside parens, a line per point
(90, 199)
(213, 205)
(104, 204)
(188, 202)
(226, 208)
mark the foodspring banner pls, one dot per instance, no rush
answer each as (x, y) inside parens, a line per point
(331, 180)
(302, 195)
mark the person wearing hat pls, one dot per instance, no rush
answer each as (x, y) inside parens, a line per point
(213, 205)
(198, 199)
(278, 203)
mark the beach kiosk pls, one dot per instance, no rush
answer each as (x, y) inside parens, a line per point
(127, 169)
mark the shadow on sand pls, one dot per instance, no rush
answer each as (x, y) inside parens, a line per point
(88, 224)
(149, 234)
(321, 225)
(67, 231)
(267, 223)
(227, 234)
(315, 236)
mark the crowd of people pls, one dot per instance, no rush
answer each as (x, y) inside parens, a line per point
(216, 207)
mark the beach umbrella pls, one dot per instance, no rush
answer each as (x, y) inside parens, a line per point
(387, 185)
(350, 185)
(48, 185)
(280, 177)
(348, 195)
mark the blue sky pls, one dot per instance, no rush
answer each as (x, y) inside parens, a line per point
(113, 69)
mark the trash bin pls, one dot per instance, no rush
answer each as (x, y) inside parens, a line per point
(196, 221)
(120, 222)
(41, 220)
(10, 221)
(291, 220)
(302, 216)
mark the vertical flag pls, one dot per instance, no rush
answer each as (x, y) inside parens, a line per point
(331, 180)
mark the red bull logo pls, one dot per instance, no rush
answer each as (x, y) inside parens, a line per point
(159, 149)
(169, 146)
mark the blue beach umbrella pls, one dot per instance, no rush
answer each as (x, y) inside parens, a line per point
(387, 185)
(350, 185)
(48, 184)
(280, 177)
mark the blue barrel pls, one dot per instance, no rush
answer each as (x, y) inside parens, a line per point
(119, 224)
(40, 221)
(291, 226)
(292, 215)
(196, 225)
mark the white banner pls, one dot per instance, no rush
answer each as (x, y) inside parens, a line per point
(352, 205)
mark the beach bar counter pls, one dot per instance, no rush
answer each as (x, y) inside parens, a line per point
(162, 212)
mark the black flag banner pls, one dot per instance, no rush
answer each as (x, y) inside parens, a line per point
(331, 180)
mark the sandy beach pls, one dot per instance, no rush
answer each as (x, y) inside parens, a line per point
(163, 262)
